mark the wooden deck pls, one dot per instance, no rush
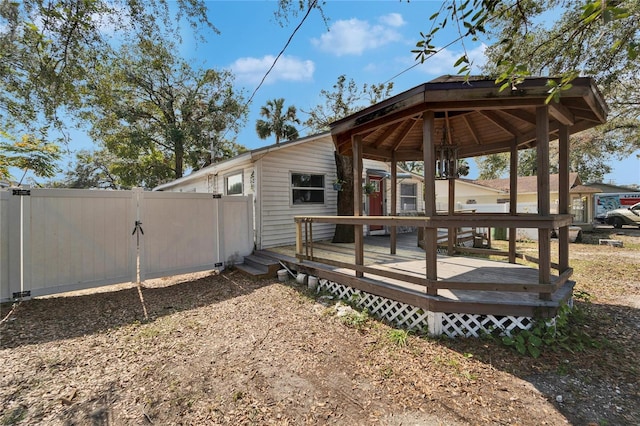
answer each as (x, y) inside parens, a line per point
(400, 276)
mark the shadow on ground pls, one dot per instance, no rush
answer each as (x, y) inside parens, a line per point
(68, 316)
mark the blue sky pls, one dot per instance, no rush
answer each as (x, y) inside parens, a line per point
(369, 41)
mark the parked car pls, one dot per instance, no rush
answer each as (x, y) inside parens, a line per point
(624, 216)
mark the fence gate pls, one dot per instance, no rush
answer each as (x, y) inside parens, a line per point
(57, 240)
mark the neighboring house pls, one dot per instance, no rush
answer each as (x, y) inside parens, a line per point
(581, 196)
(609, 188)
(469, 192)
(496, 191)
(294, 179)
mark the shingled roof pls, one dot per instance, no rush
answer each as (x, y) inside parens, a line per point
(529, 184)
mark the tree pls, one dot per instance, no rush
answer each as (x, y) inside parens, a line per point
(343, 101)
(158, 115)
(277, 122)
(48, 48)
(92, 170)
(595, 38)
(586, 160)
(27, 154)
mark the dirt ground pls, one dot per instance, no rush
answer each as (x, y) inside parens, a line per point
(223, 349)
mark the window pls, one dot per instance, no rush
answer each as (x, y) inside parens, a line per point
(233, 184)
(307, 188)
(408, 196)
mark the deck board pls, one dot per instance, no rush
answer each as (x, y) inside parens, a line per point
(410, 259)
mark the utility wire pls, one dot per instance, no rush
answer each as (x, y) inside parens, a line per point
(275, 61)
(311, 6)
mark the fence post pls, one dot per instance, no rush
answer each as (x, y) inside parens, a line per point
(5, 226)
(19, 213)
(218, 208)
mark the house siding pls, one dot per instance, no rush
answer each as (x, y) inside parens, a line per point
(276, 206)
(465, 192)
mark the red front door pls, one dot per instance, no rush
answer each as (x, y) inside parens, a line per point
(375, 201)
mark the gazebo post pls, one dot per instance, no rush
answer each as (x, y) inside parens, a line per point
(451, 232)
(513, 197)
(357, 201)
(431, 234)
(563, 198)
(544, 203)
(394, 200)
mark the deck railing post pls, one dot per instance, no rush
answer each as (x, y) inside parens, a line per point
(299, 239)
(563, 198)
(544, 203)
(357, 201)
(513, 197)
(431, 233)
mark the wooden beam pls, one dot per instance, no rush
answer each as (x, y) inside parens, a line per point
(357, 200)
(472, 129)
(521, 115)
(544, 204)
(513, 198)
(561, 113)
(563, 197)
(501, 122)
(403, 134)
(394, 201)
(451, 232)
(431, 234)
(383, 137)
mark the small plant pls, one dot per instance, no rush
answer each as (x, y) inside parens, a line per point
(369, 188)
(355, 319)
(339, 184)
(398, 337)
(563, 332)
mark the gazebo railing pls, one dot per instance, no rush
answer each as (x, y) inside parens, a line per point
(545, 286)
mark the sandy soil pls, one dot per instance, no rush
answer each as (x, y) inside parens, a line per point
(223, 349)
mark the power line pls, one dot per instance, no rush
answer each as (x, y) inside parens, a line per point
(311, 6)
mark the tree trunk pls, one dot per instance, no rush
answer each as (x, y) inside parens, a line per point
(344, 171)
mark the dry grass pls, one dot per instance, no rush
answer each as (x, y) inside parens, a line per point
(227, 350)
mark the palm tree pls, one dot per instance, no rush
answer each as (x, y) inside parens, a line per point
(276, 122)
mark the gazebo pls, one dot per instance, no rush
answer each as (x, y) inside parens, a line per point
(452, 118)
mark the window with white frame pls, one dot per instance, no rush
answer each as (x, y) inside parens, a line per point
(234, 184)
(307, 188)
(408, 196)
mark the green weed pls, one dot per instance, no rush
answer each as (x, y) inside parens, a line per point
(398, 337)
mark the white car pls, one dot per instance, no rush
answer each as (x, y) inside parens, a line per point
(624, 216)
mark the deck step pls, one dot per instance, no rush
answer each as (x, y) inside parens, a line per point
(259, 266)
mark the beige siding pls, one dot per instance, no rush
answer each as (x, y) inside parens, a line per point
(465, 192)
(276, 206)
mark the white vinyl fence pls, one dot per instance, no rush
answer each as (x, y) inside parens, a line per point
(57, 240)
(521, 233)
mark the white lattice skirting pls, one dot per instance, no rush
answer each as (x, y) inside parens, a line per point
(409, 317)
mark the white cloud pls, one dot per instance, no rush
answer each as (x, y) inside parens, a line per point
(289, 68)
(392, 20)
(353, 36)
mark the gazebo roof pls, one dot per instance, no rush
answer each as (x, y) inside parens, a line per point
(473, 114)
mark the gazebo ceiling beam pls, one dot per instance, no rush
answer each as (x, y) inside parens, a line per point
(365, 124)
(581, 114)
(403, 134)
(522, 115)
(502, 123)
(377, 153)
(561, 113)
(472, 130)
(383, 137)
